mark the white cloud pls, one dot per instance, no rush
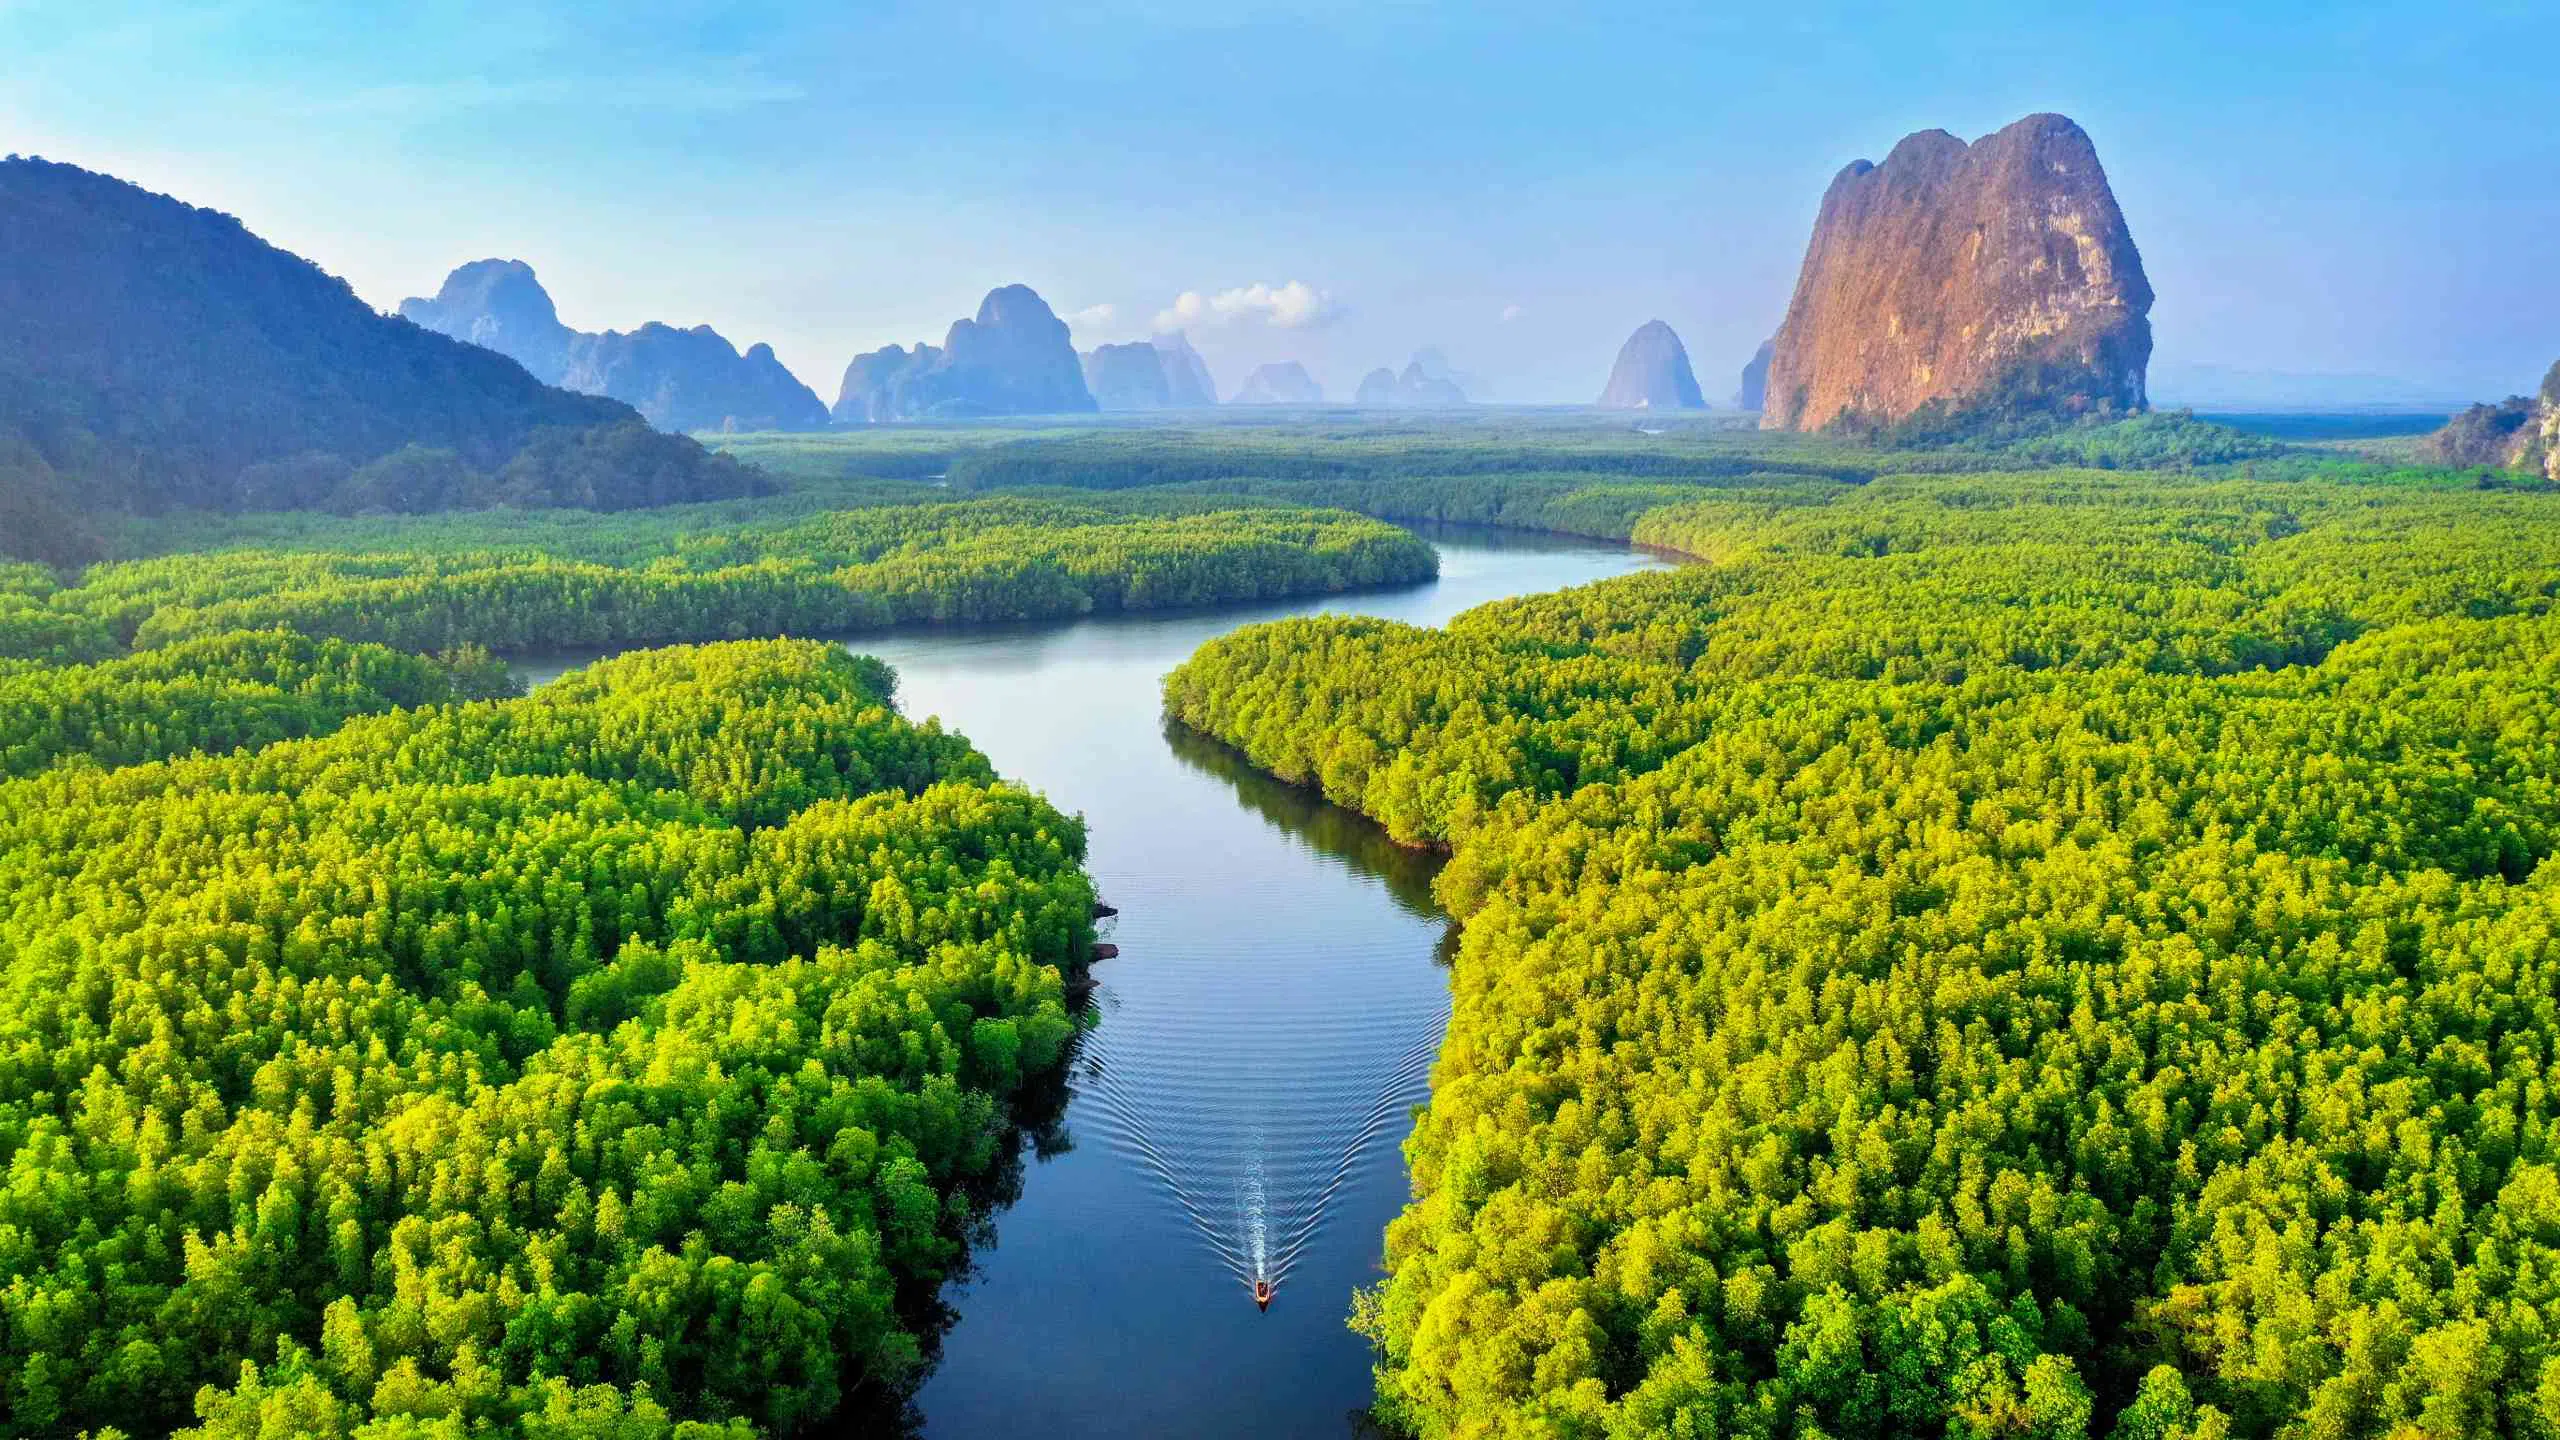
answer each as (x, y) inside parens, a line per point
(1510, 313)
(1294, 306)
(1093, 317)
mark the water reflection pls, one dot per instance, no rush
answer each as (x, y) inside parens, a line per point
(1306, 816)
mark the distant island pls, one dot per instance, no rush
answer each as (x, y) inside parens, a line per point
(1652, 373)
(1160, 374)
(1014, 358)
(1419, 386)
(1283, 383)
(678, 379)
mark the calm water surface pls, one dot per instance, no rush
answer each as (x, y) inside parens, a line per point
(1261, 1038)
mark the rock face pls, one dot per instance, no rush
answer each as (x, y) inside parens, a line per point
(1652, 373)
(1416, 389)
(1127, 377)
(1187, 385)
(678, 380)
(1285, 383)
(499, 305)
(1992, 278)
(1755, 379)
(870, 395)
(1014, 358)
(693, 380)
(2520, 433)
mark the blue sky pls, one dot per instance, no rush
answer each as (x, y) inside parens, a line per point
(2354, 188)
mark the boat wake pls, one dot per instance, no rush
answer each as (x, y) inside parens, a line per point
(1254, 1108)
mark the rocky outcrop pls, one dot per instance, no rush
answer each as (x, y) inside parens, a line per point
(1014, 358)
(1187, 385)
(2521, 432)
(869, 395)
(499, 305)
(1652, 373)
(1416, 389)
(1127, 377)
(2547, 422)
(692, 380)
(677, 379)
(1996, 278)
(1755, 379)
(1284, 383)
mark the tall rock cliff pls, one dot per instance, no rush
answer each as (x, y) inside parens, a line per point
(1014, 358)
(692, 380)
(1127, 377)
(869, 395)
(499, 305)
(1187, 385)
(1993, 278)
(1754, 391)
(1652, 373)
(677, 379)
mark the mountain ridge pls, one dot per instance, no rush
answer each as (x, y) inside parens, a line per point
(679, 378)
(155, 354)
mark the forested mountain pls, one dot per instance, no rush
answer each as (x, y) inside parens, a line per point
(2052, 956)
(156, 355)
(678, 378)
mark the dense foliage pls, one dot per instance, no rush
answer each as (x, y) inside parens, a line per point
(216, 693)
(2161, 440)
(156, 355)
(637, 583)
(1111, 460)
(1568, 474)
(626, 1061)
(576, 1065)
(2037, 956)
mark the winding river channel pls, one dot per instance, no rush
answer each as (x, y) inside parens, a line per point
(1236, 1113)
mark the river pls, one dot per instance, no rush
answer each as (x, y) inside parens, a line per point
(1237, 1111)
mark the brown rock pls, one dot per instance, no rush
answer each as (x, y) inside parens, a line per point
(1994, 276)
(2521, 433)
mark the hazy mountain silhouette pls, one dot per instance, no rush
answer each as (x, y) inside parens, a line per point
(678, 379)
(153, 354)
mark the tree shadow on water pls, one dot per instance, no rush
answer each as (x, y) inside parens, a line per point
(1306, 816)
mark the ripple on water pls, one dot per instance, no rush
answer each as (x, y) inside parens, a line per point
(1250, 1107)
